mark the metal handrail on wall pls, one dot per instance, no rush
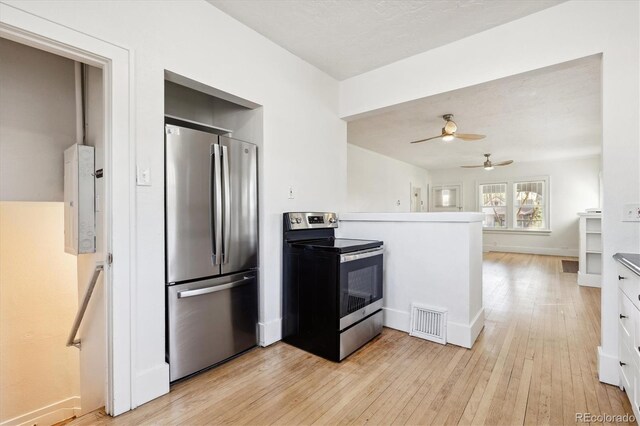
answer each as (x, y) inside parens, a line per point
(72, 341)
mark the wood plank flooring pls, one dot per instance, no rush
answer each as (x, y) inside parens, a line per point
(534, 363)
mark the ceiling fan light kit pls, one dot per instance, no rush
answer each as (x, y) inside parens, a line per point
(488, 165)
(450, 132)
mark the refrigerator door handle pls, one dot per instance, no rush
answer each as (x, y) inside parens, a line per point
(227, 205)
(215, 206)
(207, 290)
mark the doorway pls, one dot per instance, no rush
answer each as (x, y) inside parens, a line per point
(49, 103)
(118, 204)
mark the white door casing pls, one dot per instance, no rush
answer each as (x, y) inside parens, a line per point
(119, 200)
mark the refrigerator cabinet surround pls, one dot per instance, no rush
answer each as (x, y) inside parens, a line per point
(211, 320)
(211, 204)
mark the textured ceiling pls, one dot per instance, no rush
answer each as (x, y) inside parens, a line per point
(348, 37)
(546, 114)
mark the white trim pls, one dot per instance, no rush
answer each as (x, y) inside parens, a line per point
(47, 415)
(151, 383)
(540, 232)
(443, 217)
(459, 202)
(511, 182)
(465, 335)
(269, 332)
(116, 63)
(608, 368)
(546, 251)
(457, 334)
(398, 320)
(589, 280)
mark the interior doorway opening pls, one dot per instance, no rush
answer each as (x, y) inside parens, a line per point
(49, 103)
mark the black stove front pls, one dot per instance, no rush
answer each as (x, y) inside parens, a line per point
(332, 287)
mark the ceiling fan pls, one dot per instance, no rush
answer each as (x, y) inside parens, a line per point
(488, 165)
(449, 132)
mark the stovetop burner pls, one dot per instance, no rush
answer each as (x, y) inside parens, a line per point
(338, 245)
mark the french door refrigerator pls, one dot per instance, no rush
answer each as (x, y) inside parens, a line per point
(211, 224)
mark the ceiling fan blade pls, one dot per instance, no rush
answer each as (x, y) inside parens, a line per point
(469, 136)
(472, 167)
(503, 163)
(428, 139)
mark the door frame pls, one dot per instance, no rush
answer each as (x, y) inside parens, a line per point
(119, 204)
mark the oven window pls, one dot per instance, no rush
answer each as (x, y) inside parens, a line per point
(361, 284)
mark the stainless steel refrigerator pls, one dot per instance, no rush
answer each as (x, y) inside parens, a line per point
(211, 206)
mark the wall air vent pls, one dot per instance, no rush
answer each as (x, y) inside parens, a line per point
(428, 323)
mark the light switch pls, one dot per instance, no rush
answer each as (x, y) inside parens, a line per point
(291, 196)
(143, 176)
(631, 213)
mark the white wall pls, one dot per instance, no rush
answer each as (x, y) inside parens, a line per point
(574, 185)
(376, 182)
(434, 259)
(303, 139)
(568, 31)
(38, 285)
(37, 122)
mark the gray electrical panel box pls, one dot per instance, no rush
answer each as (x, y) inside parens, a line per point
(79, 200)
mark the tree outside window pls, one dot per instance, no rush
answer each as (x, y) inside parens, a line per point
(515, 205)
(493, 200)
(529, 205)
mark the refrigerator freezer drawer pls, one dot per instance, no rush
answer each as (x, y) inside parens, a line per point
(210, 321)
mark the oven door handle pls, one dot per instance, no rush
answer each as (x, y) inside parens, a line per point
(350, 257)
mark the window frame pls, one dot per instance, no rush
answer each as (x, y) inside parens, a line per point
(458, 186)
(506, 205)
(511, 191)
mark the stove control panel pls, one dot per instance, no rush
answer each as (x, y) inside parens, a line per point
(310, 220)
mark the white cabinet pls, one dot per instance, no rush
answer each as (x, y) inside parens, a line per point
(629, 334)
(590, 256)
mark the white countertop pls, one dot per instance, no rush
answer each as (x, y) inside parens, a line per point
(464, 217)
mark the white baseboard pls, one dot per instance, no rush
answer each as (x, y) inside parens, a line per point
(269, 332)
(608, 368)
(589, 280)
(53, 413)
(457, 334)
(150, 384)
(465, 335)
(533, 250)
(477, 324)
(398, 320)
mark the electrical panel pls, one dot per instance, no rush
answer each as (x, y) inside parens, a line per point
(79, 200)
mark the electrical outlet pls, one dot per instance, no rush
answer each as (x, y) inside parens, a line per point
(631, 213)
(291, 196)
(143, 176)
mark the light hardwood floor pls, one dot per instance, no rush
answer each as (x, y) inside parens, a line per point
(534, 363)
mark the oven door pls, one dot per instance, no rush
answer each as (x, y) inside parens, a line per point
(360, 285)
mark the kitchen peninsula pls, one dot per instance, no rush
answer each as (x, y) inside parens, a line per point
(431, 259)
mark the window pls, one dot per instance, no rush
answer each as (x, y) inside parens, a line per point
(515, 205)
(493, 202)
(446, 198)
(529, 211)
